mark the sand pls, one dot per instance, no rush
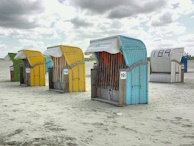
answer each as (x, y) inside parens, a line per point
(36, 116)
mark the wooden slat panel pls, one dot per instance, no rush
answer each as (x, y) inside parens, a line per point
(51, 85)
(21, 76)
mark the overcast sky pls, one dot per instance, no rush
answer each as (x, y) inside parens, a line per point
(37, 24)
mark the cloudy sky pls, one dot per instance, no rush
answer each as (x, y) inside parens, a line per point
(37, 24)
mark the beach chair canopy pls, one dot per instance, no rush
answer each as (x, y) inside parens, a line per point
(11, 56)
(71, 54)
(161, 59)
(133, 50)
(110, 45)
(33, 57)
(55, 52)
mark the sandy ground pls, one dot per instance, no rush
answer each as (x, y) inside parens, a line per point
(36, 116)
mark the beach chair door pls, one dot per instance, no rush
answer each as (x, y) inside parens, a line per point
(135, 86)
(21, 76)
(12, 73)
(58, 78)
(25, 76)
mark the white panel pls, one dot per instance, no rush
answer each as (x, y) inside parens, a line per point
(7, 58)
(176, 54)
(110, 45)
(173, 78)
(55, 52)
(20, 55)
(148, 71)
(165, 78)
(161, 65)
(179, 72)
(161, 59)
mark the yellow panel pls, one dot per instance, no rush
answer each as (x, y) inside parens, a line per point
(42, 75)
(32, 77)
(72, 54)
(82, 77)
(36, 61)
(74, 84)
(70, 81)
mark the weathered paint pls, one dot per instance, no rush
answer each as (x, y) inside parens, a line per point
(134, 51)
(75, 55)
(37, 67)
(48, 63)
(184, 61)
(74, 59)
(16, 65)
(131, 59)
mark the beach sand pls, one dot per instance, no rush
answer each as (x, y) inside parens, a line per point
(36, 116)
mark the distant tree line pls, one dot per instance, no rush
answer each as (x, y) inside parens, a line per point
(189, 57)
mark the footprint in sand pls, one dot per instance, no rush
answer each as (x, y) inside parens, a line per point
(71, 144)
(3, 138)
(71, 141)
(51, 126)
(98, 124)
(158, 131)
(188, 136)
(187, 125)
(178, 118)
(90, 131)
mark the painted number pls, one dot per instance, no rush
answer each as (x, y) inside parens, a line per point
(27, 70)
(11, 68)
(65, 71)
(123, 75)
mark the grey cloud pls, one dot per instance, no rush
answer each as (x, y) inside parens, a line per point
(98, 34)
(15, 13)
(119, 8)
(163, 20)
(163, 45)
(116, 24)
(3, 51)
(78, 22)
(28, 33)
(136, 8)
(100, 6)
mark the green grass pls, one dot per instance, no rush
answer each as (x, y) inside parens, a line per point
(190, 57)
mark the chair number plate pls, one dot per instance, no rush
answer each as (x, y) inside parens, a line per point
(27, 70)
(65, 71)
(123, 74)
